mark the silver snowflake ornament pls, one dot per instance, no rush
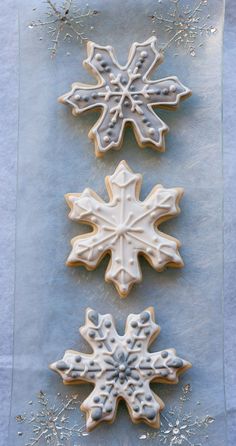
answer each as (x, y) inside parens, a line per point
(65, 22)
(125, 228)
(186, 25)
(121, 367)
(126, 95)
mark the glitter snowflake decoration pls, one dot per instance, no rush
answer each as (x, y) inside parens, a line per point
(126, 95)
(121, 367)
(184, 25)
(125, 227)
(180, 428)
(51, 421)
(65, 22)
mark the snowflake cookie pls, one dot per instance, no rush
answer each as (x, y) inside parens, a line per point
(121, 367)
(125, 227)
(126, 95)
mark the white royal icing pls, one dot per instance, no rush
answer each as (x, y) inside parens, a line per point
(125, 227)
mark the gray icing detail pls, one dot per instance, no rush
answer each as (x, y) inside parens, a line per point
(125, 94)
(119, 370)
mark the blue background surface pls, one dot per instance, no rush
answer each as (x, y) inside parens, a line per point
(8, 146)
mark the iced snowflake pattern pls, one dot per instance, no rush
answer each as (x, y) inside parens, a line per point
(125, 228)
(65, 22)
(121, 367)
(186, 24)
(49, 422)
(126, 95)
(181, 428)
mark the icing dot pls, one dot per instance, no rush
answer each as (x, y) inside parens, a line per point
(164, 373)
(176, 363)
(112, 340)
(132, 87)
(106, 138)
(134, 324)
(136, 408)
(129, 392)
(91, 363)
(94, 95)
(100, 345)
(98, 57)
(61, 365)
(103, 387)
(85, 98)
(128, 341)
(128, 197)
(93, 219)
(153, 214)
(108, 409)
(96, 399)
(96, 414)
(172, 88)
(115, 394)
(100, 248)
(165, 91)
(103, 64)
(92, 334)
(77, 97)
(111, 125)
(148, 397)
(75, 374)
(145, 120)
(150, 413)
(151, 131)
(158, 91)
(107, 324)
(126, 103)
(109, 132)
(78, 358)
(147, 332)
(117, 259)
(138, 64)
(136, 96)
(144, 54)
(164, 354)
(149, 250)
(145, 316)
(131, 261)
(107, 69)
(122, 367)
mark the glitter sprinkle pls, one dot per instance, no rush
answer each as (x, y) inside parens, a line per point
(65, 22)
(180, 428)
(186, 26)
